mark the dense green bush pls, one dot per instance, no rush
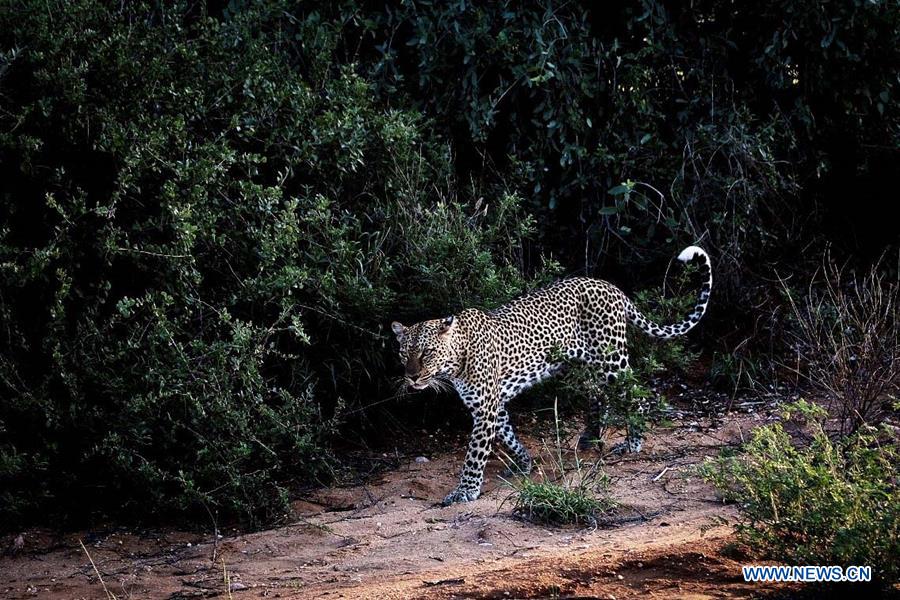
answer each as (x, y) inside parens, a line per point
(745, 126)
(207, 215)
(828, 503)
(201, 238)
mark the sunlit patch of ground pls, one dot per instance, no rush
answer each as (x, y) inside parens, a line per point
(390, 538)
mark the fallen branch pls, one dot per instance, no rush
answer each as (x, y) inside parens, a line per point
(97, 571)
(444, 581)
(661, 473)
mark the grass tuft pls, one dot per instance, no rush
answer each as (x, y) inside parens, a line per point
(563, 492)
(553, 503)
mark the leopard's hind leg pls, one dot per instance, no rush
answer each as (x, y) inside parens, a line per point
(604, 336)
(599, 414)
(516, 450)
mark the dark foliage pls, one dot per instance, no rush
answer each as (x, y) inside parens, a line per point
(201, 242)
(208, 216)
(747, 126)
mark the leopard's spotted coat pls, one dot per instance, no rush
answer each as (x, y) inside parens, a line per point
(491, 356)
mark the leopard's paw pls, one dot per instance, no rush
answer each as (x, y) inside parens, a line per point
(618, 449)
(461, 495)
(629, 447)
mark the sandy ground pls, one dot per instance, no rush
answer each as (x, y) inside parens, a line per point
(390, 539)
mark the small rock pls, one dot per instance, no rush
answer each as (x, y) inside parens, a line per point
(237, 585)
(422, 459)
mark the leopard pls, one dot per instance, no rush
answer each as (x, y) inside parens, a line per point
(491, 356)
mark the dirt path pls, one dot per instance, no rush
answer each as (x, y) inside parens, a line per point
(389, 539)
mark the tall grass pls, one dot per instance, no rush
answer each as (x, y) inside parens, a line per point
(847, 341)
(562, 491)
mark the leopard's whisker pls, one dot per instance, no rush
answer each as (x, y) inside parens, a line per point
(441, 385)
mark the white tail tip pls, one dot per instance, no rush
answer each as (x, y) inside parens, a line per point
(692, 252)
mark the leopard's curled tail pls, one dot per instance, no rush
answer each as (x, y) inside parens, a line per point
(689, 254)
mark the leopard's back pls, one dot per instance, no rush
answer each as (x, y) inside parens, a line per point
(578, 318)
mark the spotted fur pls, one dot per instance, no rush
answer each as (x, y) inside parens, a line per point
(491, 356)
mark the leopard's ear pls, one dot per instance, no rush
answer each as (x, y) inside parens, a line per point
(447, 324)
(399, 330)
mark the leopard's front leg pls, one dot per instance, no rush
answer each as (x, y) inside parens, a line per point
(483, 432)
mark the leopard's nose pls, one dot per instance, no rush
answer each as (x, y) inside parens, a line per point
(412, 369)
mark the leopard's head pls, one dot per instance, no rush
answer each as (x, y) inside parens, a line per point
(432, 351)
